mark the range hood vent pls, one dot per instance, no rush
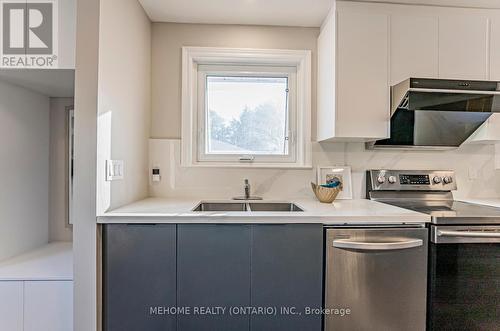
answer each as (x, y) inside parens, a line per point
(437, 113)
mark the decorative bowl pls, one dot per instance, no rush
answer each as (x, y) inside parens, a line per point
(325, 194)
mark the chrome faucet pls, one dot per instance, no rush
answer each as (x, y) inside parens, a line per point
(247, 190)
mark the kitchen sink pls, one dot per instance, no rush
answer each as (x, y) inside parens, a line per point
(275, 206)
(248, 206)
(221, 206)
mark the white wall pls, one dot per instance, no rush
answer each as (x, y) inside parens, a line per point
(24, 169)
(124, 100)
(497, 156)
(84, 227)
(168, 39)
(223, 183)
(67, 33)
(59, 230)
(112, 105)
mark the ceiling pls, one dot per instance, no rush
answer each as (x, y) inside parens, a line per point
(308, 13)
(49, 82)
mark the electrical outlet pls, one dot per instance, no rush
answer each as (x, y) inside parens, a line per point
(114, 170)
(155, 174)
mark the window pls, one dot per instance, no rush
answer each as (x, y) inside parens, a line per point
(244, 111)
(246, 114)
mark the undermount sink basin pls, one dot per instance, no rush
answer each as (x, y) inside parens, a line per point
(275, 206)
(221, 206)
(248, 206)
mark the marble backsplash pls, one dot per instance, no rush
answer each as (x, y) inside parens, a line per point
(475, 167)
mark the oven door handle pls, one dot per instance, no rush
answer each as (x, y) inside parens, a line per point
(468, 234)
(377, 246)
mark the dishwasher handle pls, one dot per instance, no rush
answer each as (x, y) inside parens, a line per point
(377, 246)
(470, 234)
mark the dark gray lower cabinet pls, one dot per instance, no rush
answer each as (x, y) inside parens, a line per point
(213, 270)
(139, 274)
(201, 267)
(287, 272)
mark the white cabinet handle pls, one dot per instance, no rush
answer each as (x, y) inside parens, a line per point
(373, 246)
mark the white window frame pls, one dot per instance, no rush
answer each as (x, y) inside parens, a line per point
(249, 71)
(198, 62)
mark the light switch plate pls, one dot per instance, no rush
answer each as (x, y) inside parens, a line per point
(114, 169)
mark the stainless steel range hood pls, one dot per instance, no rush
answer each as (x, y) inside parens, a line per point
(438, 113)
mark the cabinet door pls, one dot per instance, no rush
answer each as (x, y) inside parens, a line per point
(139, 275)
(463, 47)
(414, 47)
(213, 270)
(11, 306)
(287, 271)
(326, 82)
(48, 305)
(362, 75)
(495, 49)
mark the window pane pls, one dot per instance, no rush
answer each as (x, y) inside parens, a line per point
(247, 115)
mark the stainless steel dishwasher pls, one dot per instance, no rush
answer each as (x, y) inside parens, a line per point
(376, 279)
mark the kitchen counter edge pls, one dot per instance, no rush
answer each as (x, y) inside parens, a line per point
(343, 212)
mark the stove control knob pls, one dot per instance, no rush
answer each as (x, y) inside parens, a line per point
(436, 180)
(448, 180)
(393, 179)
(381, 179)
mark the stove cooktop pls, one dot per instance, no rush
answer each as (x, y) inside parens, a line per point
(428, 192)
(452, 212)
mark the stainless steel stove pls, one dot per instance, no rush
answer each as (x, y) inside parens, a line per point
(464, 249)
(428, 192)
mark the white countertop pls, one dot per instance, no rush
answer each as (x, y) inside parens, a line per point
(492, 202)
(361, 211)
(53, 261)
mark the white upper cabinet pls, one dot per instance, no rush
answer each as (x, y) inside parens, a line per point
(463, 47)
(362, 75)
(495, 49)
(414, 47)
(326, 85)
(360, 110)
(363, 49)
